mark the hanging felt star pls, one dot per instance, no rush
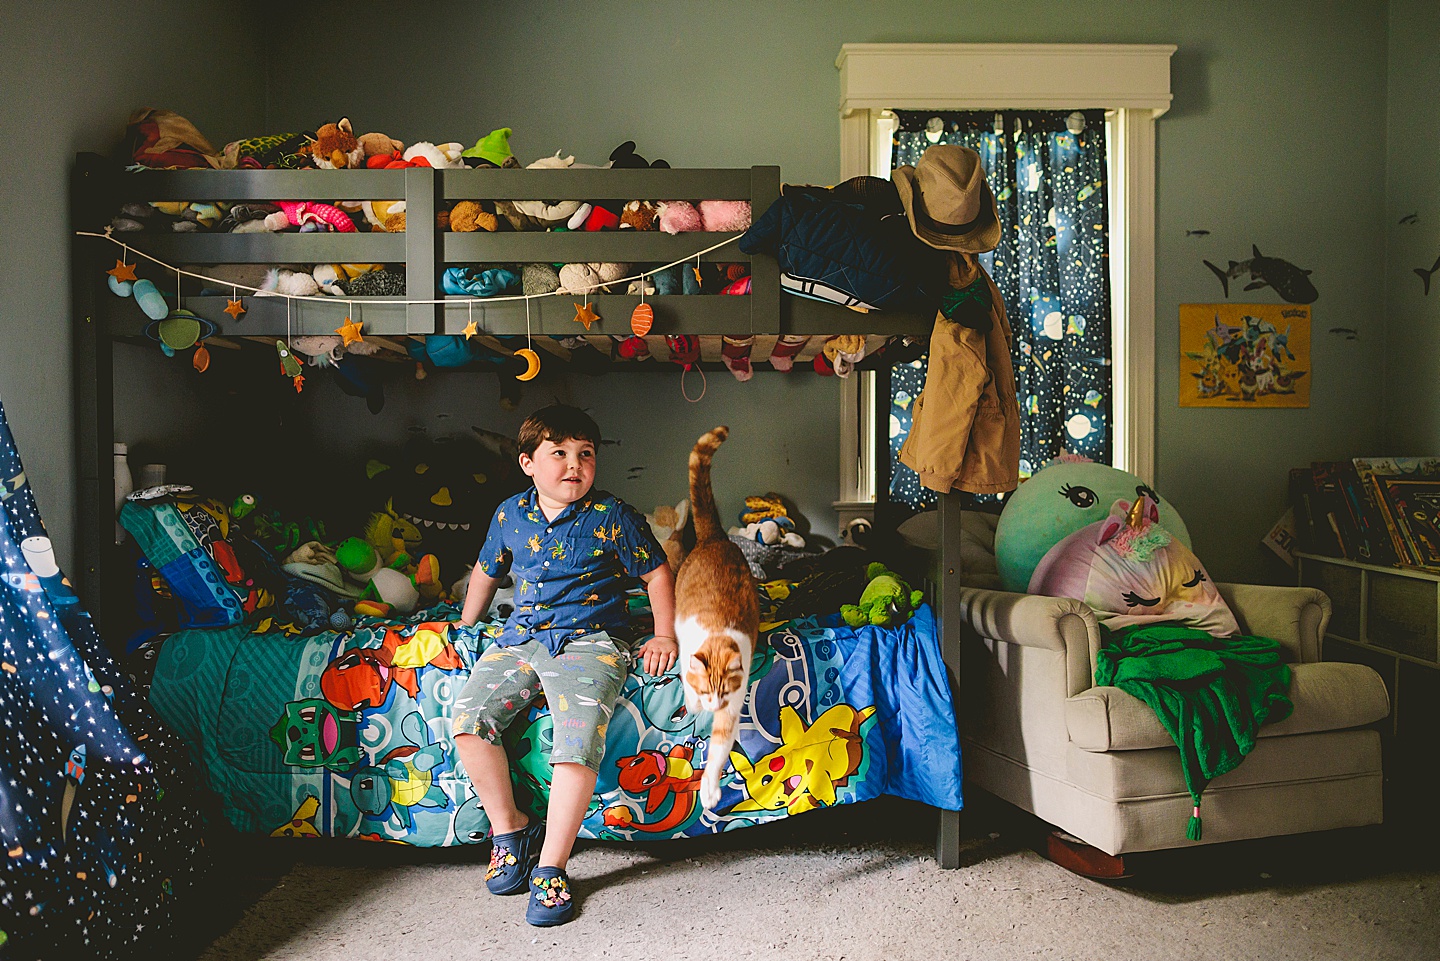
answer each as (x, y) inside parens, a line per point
(470, 330)
(234, 308)
(585, 314)
(349, 332)
(122, 271)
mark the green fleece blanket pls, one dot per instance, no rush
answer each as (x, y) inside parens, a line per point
(1211, 694)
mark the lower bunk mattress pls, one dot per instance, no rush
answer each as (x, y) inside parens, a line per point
(348, 734)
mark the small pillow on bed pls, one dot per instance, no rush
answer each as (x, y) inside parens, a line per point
(1131, 570)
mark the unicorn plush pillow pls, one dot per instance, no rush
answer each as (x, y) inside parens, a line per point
(1131, 570)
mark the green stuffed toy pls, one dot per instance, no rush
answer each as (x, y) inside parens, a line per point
(886, 601)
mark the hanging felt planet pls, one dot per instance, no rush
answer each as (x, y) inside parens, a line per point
(642, 320)
(532, 363)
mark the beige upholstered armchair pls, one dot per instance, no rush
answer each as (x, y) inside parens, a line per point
(1095, 762)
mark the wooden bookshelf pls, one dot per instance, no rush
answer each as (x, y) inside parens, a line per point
(1386, 617)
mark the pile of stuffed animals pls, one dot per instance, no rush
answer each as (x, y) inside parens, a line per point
(163, 139)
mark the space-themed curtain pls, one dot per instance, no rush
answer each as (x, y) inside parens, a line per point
(98, 815)
(1048, 172)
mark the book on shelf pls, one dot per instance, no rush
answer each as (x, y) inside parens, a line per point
(1372, 540)
(1415, 503)
(1330, 508)
(1302, 488)
(1379, 476)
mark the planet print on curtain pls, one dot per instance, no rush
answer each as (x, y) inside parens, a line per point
(1048, 172)
(98, 818)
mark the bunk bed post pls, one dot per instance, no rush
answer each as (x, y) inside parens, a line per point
(764, 271)
(947, 610)
(92, 354)
(422, 251)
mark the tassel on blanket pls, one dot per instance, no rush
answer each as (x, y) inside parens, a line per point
(1192, 830)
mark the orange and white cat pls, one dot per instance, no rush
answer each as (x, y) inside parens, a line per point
(717, 620)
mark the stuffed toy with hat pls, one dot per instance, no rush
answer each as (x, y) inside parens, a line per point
(335, 147)
(491, 150)
(668, 525)
(1066, 495)
(886, 601)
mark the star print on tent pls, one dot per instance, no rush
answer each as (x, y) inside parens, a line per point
(99, 820)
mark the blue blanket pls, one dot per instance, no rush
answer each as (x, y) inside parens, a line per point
(293, 745)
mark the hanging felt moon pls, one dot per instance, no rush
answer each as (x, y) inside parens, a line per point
(201, 360)
(532, 363)
(642, 320)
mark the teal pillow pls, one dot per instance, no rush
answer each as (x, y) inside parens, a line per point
(1056, 502)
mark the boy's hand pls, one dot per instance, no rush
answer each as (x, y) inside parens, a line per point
(658, 655)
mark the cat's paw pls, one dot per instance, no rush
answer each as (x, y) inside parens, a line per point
(710, 793)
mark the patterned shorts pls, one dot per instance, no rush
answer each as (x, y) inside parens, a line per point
(581, 684)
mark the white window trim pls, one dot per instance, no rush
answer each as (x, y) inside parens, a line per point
(1132, 83)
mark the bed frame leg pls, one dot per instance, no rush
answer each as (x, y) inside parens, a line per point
(947, 841)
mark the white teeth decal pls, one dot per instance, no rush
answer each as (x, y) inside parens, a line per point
(429, 523)
(464, 527)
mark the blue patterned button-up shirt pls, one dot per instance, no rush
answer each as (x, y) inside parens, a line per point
(571, 572)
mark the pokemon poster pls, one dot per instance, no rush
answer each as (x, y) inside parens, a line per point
(1244, 355)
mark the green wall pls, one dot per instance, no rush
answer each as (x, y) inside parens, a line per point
(1412, 186)
(70, 73)
(1259, 147)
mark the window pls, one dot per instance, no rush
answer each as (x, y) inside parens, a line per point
(1131, 83)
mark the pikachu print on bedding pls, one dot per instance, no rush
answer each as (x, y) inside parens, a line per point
(810, 763)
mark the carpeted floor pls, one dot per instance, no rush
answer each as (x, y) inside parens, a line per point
(855, 883)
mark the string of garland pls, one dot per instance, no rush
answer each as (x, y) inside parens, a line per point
(640, 322)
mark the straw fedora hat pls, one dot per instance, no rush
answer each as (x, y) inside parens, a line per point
(948, 201)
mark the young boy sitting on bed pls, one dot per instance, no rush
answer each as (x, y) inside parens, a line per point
(571, 551)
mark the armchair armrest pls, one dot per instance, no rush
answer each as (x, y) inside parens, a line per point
(1294, 616)
(1059, 624)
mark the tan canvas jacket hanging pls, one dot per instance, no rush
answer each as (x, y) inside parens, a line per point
(965, 430)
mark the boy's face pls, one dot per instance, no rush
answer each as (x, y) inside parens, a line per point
(563, 472)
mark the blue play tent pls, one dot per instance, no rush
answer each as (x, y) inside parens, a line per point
(98, 818)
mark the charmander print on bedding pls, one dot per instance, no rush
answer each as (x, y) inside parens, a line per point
(348, 734)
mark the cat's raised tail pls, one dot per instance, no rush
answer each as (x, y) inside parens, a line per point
(702, 498)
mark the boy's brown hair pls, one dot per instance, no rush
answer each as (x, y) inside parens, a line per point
(557, 424)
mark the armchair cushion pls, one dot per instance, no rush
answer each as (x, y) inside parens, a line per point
(1328, 696)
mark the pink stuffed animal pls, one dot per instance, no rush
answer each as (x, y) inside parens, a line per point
(679, 216)
(310, 212)
(725, 215)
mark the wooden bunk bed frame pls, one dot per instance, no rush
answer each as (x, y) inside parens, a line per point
(99, 187)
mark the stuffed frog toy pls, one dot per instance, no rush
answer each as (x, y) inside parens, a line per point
(886, 601)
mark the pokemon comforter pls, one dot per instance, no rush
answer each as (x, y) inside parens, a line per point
(348, 734)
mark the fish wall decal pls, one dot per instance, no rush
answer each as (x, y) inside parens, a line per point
(1290, 282)
(1425, 275)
